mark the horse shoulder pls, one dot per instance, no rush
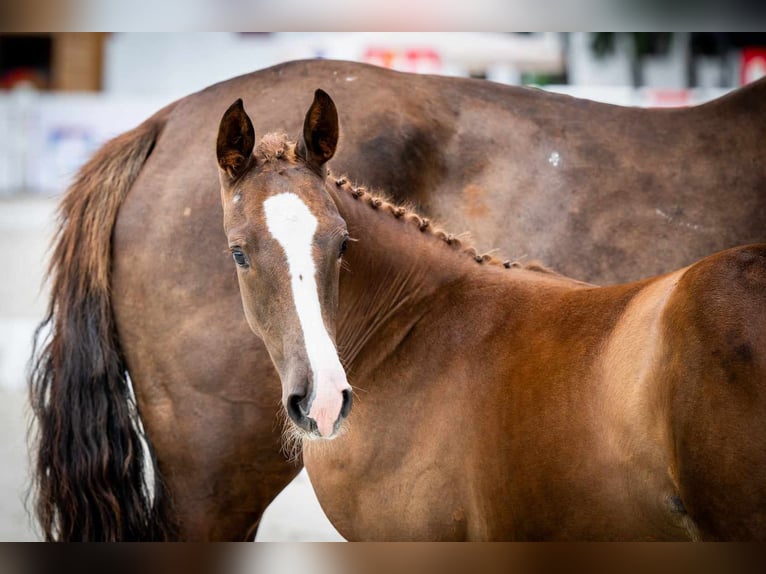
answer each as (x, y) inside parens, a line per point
(715, 357)
(719, 311)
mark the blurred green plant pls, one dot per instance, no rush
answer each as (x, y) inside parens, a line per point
(641, 45)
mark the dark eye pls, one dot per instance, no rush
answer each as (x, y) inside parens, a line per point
(343, 247)
(239, 257)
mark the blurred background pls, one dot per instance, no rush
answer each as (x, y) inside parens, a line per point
(63, 94)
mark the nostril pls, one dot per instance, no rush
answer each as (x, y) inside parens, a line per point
(348, 399)
(294, 408)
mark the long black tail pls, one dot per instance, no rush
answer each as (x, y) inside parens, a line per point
(89, 464)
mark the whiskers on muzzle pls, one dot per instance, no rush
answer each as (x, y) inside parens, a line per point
(296, 439)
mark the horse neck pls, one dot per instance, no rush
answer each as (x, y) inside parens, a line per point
(394, 269)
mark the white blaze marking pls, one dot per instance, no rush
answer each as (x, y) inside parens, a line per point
(554, 159)
(293, 225)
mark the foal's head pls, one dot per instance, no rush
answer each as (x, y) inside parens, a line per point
(287, 240)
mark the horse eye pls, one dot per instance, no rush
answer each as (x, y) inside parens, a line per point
(239, 258)
(343, 247)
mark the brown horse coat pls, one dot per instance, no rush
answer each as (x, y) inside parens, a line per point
(142, 281)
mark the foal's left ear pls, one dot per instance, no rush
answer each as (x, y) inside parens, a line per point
(320, 130)
(236, 139)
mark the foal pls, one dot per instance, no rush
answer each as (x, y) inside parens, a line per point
(494, 402)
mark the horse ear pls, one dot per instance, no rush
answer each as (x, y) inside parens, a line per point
(320, 130)
(236, 139)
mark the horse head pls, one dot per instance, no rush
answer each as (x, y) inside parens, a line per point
(287, 240)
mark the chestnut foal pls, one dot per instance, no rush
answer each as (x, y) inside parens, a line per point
(494, 402)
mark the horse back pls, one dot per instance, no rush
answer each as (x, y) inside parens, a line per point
(524, 170)
(715, 361)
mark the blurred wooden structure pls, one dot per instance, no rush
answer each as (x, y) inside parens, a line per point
(66, 61)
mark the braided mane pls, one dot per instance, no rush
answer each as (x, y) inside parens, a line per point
(380, 203)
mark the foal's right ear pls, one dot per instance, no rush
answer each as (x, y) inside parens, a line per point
(320, 130)
(236, 139)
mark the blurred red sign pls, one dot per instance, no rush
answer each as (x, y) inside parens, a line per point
(753, 64)
(667, 98)
(422, 60)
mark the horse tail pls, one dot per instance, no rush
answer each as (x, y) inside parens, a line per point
(89, 468)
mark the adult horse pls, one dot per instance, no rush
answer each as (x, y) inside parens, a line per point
(496, 402)
(140, 283)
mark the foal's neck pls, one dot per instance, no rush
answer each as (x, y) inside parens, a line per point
(395, 268)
